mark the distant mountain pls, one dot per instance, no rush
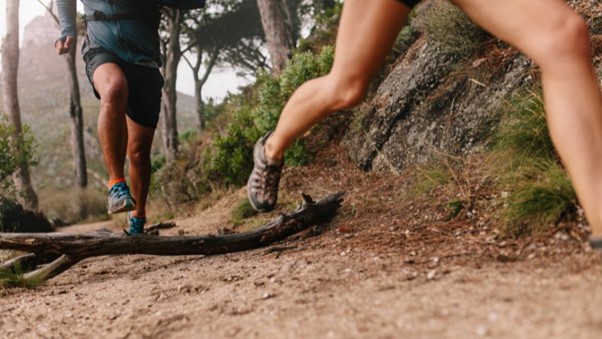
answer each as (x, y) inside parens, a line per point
(44, 99)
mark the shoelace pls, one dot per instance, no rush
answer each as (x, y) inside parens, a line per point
(269, 178)
(272, 179)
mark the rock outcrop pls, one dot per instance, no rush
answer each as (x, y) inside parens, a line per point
(432, 104)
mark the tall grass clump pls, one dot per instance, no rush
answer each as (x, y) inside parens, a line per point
(455, 32)
(539, 191)
(14, 278)
(232, 160)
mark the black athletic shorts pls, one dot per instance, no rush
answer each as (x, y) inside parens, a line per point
(144, 86)
(409, 3)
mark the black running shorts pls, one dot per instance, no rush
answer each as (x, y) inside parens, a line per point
(409, 3)
(144, 86)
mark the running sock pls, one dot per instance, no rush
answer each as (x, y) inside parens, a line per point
(114, 181)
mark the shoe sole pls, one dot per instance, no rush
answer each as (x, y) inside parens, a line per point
(125, 207)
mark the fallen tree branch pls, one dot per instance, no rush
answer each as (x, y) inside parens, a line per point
(72, 248)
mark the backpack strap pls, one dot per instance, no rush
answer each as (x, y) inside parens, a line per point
(101, 16)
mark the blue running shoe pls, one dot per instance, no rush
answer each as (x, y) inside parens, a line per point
(120, 199)
(136, 225)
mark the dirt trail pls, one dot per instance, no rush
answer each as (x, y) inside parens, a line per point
(371, 274)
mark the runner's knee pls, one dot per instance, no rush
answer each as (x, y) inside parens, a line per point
(139, 155)
(348, 92)
(114, 91)
(569, 40)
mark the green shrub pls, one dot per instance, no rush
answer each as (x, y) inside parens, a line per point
(233, 155)
(303, 67)
(14, 151)
(211, 110)
(457, 35)
(233, 158)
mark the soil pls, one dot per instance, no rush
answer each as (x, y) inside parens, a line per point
(386, 267)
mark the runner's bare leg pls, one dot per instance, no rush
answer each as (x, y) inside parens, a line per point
(367, 32)
(557, 39)
(111, 84)
(139, 151)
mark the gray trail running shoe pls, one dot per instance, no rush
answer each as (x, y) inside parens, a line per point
(120, 199)
(262, 187)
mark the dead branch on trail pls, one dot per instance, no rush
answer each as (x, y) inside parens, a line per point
(72, 248)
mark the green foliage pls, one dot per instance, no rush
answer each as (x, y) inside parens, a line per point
(455, 207)
(449, 26)
(324, 31)
(187, 135)
(157, 162)
(14, 278)
(303, 67)
(230, 28)
(14, 151)
(212, 110)
(540, 192)
(233, 158)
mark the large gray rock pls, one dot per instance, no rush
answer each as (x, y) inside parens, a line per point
(13, 218)
(430, 104)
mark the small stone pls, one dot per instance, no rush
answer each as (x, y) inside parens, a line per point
(482, 331)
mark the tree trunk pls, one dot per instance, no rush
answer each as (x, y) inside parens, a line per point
(200, 105)
(77, 124)
(75, 108)
(199, 82)
(198, 87)
(290, 8)
(10, 64)
(276, 33)
(170, 72)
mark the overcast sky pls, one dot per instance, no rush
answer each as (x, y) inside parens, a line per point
(217, 86)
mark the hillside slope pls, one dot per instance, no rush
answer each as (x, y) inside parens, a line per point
(392, 264)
